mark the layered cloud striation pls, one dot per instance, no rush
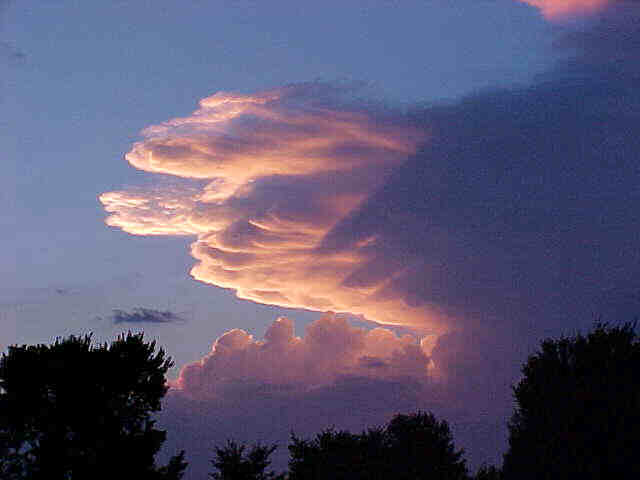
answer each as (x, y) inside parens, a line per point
(276, 171)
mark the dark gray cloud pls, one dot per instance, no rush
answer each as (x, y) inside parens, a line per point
(145, 315)
(520, 213)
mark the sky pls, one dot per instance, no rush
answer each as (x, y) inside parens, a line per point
(326, 214)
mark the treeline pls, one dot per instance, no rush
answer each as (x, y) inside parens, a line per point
(411, 446)
(73, 410)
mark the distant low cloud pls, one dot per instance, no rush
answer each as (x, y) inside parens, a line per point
(145, 315)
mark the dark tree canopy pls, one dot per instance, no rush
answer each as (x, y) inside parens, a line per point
(232, 463)
(488, 472)
(73, 410)
(339, 455)
(424, 448)
(415, 446)
(578, 409)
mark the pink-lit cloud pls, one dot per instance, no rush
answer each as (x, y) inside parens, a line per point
(331, 349)
(563, 9)
(277, 170)
(334, 375)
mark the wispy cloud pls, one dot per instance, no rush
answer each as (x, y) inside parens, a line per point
(145, 315)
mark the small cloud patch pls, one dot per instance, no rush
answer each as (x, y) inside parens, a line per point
(145, 315)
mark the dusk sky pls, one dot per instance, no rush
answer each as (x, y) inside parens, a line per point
(327, 213)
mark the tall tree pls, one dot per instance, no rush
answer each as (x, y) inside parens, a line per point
(74, 410)
(578, 409)
(232, 463)
(415, 446)
(339, 455)
(422, 447)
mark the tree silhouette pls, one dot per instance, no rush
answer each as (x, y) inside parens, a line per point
(415, 446)
(422, 448)
(338, 455)
(486, 472)
(231, 463)
(578, 409)
(75, 410)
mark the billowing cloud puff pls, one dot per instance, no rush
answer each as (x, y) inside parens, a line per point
(278, 170)
(562, 9)
(330, 350)
(335, 375)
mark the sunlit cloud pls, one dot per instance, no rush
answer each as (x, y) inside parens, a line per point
(448, 217)
(330, 350)
(276, 171)
(564, 9)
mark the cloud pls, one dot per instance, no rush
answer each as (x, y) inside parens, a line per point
(491, 222)
(510, 207)
(330, 350)
(563, 9)
(277, 170)
(334, 375)
(145, 315)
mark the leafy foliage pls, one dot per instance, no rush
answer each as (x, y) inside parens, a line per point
(75, 410)
(578, 409)
(416, 446)
(486, 472)
(231, 463)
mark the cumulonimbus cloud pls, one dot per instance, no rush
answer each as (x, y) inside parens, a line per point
(495, 211)
(506, 217)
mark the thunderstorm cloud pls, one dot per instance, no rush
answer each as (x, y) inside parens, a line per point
(483, 224)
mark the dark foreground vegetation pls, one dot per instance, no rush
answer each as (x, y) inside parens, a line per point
(73, 411)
